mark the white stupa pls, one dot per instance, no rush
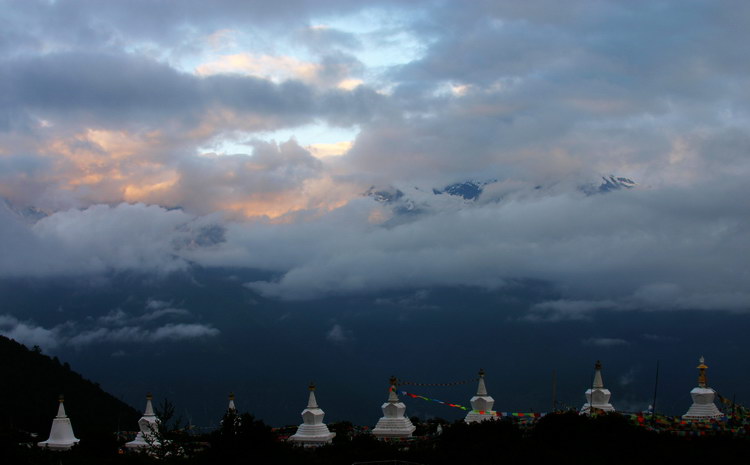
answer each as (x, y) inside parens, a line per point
(148, 425)
(312, 432)
(597, 396)
(61, 435)
(393, 424)
(703, 407)
(481, 404)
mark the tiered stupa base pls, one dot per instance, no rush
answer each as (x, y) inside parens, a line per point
(140, 443)
(704, 409)
(586, 409)
(394, 428)
(312, 435)
(476, 416)
(57, 445)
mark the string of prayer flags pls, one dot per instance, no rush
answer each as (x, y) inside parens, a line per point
(738, 411)
(684, 427)
(515, 415)
(455, 383)
(417, 396)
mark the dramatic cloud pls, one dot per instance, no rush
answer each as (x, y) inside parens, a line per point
(637, 249)
(145, 137)
(85, 128)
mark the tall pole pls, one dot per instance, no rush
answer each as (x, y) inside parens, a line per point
(554, 390)
(591, 398)
(656, 386)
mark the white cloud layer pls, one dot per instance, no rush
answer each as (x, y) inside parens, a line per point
(168, 332)
(115, 327)
(637, 249)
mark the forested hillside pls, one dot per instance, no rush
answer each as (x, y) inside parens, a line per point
(30, 384)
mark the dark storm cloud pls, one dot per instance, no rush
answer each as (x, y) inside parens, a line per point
(619, 41)
(120, 90)
(93, 24)
(552, 90)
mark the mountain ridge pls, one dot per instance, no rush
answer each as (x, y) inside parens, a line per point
(29, 394)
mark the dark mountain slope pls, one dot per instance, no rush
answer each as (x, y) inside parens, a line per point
(30, 384)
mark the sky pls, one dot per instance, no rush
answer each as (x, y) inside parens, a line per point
(305, 151)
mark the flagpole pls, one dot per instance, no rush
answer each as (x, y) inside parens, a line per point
(656, 386)
(554, 391)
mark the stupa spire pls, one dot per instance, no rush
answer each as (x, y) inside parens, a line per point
(149, 411)
(393, 395)
(231, 406)
(312, 402)
(61, 407)
(481, 404)
(598, 383)
(702, 380)
(481, 389)
(312, 432)
(61, 435)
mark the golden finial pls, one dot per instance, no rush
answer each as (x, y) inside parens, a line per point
(311, 386)
(393, 380)
(598, 365)
(61, 398)
(231, 396)
(481, 372)
(702, 380)
(149, 396)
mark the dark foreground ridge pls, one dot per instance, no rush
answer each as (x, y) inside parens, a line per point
(559, 438)
(30, 385)
(31, 382)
